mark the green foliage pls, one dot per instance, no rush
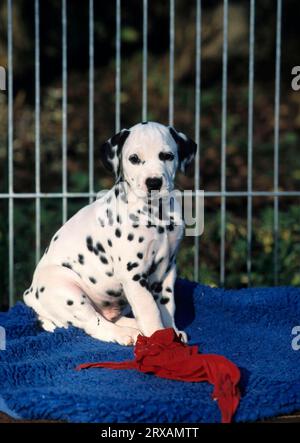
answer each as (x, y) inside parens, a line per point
(236, 250)
(236, 246)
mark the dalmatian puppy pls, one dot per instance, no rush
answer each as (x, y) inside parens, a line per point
(118, 253)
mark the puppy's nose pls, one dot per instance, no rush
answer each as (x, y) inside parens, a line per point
(153, 183)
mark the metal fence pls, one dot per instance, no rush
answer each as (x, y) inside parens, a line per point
(64, 195)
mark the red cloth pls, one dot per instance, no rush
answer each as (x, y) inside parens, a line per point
(164, 355)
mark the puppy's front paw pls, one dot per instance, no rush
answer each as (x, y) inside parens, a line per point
(127, 336)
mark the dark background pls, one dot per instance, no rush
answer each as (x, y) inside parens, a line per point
(131, 112)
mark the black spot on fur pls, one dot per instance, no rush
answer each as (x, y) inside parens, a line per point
(108, 200)
(92, 280)
(98, 321)
(141, 239)
(37, 294)
(130, 237)
(144, 123)
(154, 266)
(140, 255)
(164, 300)
(42, 289)
(117, 191)
(82, 303)
(70, 302)
(113, 293)
(119, 220)
(70, 323)
(81, 259)
(168, 289)
(107, 153)
(89, 243)
(31, 289)
(55, 238)
(46, 250)
(131, 265)
(136, 277)
(109, 274)
(100, 247)
(96, 252)
(109, 242)
(122, 302)
(143, 282)
(105, 304)
(134, 217)
(118, 233)
(156, 286)
(155, 297)
(103, 260)
(67, 265)
(160, 229)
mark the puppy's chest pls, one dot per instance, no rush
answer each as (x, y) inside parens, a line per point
(163, 255)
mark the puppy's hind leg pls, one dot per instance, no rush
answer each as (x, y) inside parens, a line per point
(127, 321)
(46, 324)
(59, 302)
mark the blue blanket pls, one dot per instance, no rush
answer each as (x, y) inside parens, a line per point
(252, 327)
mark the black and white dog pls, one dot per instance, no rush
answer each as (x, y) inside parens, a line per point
(118, 253)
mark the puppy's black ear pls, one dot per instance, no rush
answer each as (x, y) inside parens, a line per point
(110, 151)
(186, 148)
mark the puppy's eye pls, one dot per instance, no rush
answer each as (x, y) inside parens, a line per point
(166, 156)
(134, 159)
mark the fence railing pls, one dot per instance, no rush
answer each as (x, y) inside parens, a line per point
(64, 195)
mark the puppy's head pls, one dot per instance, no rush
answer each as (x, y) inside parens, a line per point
(147, 156)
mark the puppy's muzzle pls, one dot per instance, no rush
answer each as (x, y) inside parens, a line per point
(154, 183)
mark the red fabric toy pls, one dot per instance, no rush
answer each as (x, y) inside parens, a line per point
(164, 355)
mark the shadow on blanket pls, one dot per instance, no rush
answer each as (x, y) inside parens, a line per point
(251, 327)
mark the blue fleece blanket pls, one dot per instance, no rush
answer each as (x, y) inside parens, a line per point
(252, 327)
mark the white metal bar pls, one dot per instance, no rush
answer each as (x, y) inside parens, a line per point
(145, 59)
(197, 124)
(250, 137)
(171, 62)
(91, 98)
(118, 67)
(64, 110)
(10, 155)
(37, 132)
(276, 137)
(223, 141)
(211, 194)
